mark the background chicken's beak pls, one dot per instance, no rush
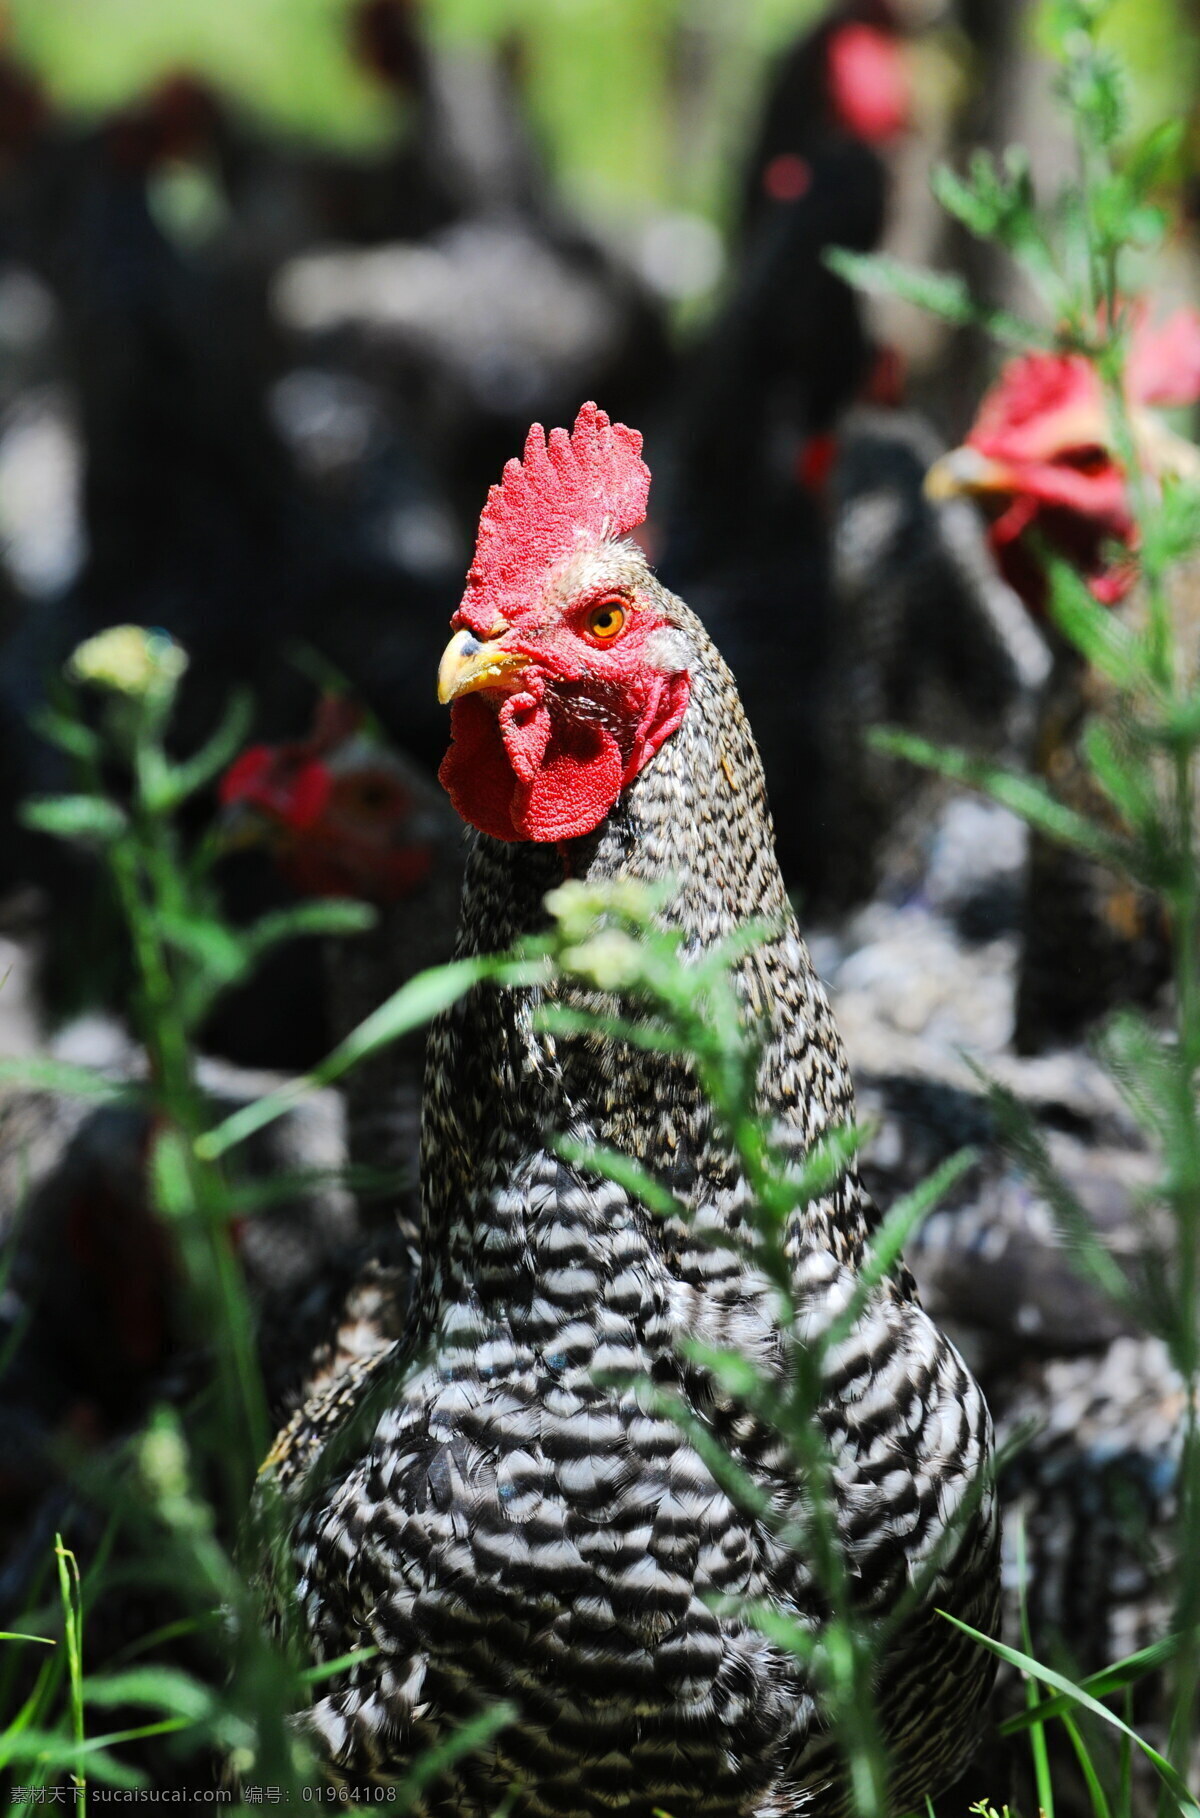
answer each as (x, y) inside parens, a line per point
(241, 825)
(966, 472)
(467, 665)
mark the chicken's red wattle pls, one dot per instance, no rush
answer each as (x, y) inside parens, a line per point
(526, 771)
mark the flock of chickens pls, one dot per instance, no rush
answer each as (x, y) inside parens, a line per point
(287, 438)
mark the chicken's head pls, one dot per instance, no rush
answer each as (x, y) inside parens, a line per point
(385, 38)
(869, 88)
(849, 78)
(565, 671)
(178, 120)
(1040, 457)
(341, 813)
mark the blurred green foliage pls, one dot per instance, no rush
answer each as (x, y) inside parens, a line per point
(638, 103)
(635, 100)
(287, 60)
(1158, 42)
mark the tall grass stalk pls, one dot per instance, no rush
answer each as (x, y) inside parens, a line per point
(184, 954)
(72, 1610)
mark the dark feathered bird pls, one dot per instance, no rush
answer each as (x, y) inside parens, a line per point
(902, 621)
(789, 349)
(96, 1321)
(923, 635)
(500, 306)
(924, 983)
(796, 518)
(844, 79)
(1095, 1482)
(197, 520)
(515, 1524)
(345, 814)
(1094, 1547)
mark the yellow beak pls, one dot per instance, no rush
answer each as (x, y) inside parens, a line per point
(467, 665)
(964, 472)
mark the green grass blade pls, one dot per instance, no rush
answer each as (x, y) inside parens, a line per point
(39, 1073)
(1026, 1664)
(895, 1230)
(72, 1608)
(1033, 1699)
(1115, 1678)
(1087, 1767)
(165, 1688)
(1024, 795)
(328, 1669)
(622, 1170)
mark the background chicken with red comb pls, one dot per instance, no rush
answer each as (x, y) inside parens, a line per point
(344, 813)
(1042, 460)
(1041, 457)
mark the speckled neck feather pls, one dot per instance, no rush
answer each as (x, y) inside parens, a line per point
(697, 815)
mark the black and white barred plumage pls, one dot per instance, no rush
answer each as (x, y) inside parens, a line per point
(512, 1525)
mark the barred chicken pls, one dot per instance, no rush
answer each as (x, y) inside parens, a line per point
(506, 1518)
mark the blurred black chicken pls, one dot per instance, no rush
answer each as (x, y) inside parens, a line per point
(507, 308)
(798, 520)
(844, 80)
(96, 1324)
(196, 515)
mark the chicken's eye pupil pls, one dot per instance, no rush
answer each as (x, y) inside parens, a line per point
(606, 621)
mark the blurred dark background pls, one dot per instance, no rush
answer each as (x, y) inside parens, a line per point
(284, 282)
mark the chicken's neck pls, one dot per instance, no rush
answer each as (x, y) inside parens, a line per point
(498, 1087)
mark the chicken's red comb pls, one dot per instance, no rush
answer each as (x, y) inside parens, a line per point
(591, 482)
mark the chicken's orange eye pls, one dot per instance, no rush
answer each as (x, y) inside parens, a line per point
(606, 620)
